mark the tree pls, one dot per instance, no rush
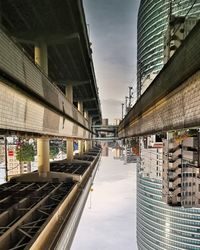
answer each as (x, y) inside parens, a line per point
(53, 151)
(25, 153)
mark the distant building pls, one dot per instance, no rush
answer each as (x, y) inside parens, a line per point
(105, 150)
(14, 167)
(151, 158)
(181, 171)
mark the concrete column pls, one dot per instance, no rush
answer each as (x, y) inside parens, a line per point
(87, 145)
(86, 115)
(80, 142)
(69, 92)
(87, 142)
(80, 106)
(41, 58)
(80, 147)
(70, 149)
(70, 142)
(43, 156)
(92, 142)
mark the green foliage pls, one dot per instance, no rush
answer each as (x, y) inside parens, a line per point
(53, 151)
(25, 152)
(63, 147)
(192, 132)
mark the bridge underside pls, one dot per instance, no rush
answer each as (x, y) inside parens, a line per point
(61, 26)
(20, 114)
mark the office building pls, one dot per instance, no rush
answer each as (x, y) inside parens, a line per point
(153, 22)
(160, 225)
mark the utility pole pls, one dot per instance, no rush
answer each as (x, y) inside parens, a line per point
(130, 96)
(126, 103)
(122, 111)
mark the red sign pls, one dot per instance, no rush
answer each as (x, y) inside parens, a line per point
(10, 153)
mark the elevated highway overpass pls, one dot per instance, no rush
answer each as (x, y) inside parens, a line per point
(47, 89)
(54, 35)
(47, 80)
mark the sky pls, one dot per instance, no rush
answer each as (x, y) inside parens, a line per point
(112, 26)
(109, 218)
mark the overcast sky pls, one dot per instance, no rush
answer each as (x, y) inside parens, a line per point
(109, 218)
(113, 33)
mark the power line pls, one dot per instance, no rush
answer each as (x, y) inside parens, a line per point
(195, 1)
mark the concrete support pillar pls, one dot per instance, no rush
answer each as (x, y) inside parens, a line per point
(80, 106)
(43, 156)
(41, 58)
(80, 147)
(92, 142)
(70, 142)
(70, 149)
(80, 142)
(87, 145)
(87, 142)
(69, 92)
(86, 115)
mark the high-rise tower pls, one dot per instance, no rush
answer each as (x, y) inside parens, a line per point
(153, 20)
(160, 226)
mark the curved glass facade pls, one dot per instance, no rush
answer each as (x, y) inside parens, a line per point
(152, 26)
(161, 227)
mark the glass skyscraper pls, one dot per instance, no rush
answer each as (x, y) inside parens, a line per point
(160, 226)
(153, 19)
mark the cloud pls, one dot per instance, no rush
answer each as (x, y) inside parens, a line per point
(113, 32)
(111, 221)
(112, 102)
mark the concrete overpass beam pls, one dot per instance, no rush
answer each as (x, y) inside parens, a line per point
(43, 156)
